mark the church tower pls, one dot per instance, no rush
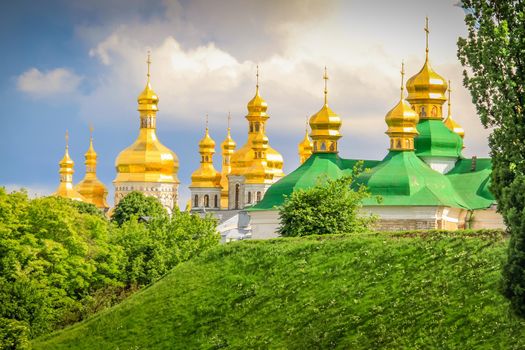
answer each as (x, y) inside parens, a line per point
(228, 147)
(439, 147)
(91, 188)
(325, 125)
(147, 165)
(65, 188)
(256, 165)
(451, 124)
(305, 147)
(206, 181)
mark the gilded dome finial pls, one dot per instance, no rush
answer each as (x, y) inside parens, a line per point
(449, 91)
(325, 77)
(257, 79)
(148, 61)
(206, 122)
(427, 31)
(402, 77)
(229, 119)
(67, 140)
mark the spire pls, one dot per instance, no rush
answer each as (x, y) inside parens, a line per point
(206, 175)
(402, 121)
(402, 79)
(450, 123)
(427, 32)
(426, 89)
(148, 101)
(325, 77)
(91, 188)
(257, 79)
(229, 120)
(325, 125)
(65, 188)
(228, 147)
(305, 147)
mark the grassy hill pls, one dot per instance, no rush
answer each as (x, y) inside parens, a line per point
(362, 292)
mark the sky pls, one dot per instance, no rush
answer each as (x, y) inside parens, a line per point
(69, 64)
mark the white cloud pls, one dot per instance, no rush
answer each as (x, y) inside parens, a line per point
(56, 82)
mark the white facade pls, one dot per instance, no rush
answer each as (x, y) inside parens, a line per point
(205, 197)
(166, 193)
(265, 224)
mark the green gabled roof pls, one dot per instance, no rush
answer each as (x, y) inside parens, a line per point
(472, 182)
(403, 179)
(318, 166)
(436, 140)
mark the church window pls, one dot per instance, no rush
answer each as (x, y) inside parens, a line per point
(258, 196)
(422, 111)
(249, 197)
(216, 201)
(196, 201)
(257, 126)
(206, 201)
(237, 189)
(323, 146)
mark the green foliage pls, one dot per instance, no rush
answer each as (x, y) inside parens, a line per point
(330, 207)
(414, 290)
(494, 52)
(60, 261)
(136, 204)
(152, 250)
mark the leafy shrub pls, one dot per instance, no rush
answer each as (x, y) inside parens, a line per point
(136, 204)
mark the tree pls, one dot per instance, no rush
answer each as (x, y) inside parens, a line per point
(494, 53)
(330, 207)
(138, 205)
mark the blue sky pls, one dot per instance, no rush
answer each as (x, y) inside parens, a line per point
(68, 64)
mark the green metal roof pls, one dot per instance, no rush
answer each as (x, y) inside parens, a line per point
(436, 140)
(403, 179)
(318, 166)
(400, 179)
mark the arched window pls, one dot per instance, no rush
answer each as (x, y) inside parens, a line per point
(216, 201)
(249, 197)
(196, 201)
(237, 188)
(257, 126)
(434, 111)
(422, 112)
(258, 196)
(206, 201)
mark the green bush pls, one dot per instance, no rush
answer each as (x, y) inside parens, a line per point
(136, 204)
(330, 207)
(60, 261)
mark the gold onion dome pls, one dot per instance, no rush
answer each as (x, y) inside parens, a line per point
(451, 123)
(305, 147)
(259, 172)
(242, 159)
(147, 160)
(206, 175)
(427, 86)
(402, 121)
(325, 126)
(65, 188)
(91, 187)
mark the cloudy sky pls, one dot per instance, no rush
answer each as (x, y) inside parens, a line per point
(71, 63)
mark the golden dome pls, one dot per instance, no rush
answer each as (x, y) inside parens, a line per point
(65, 188)
(426, 89)
(259, 172)
(242, 159)
(325, 126)
(402, 121)
(91, 187)
(147, 159)
(206, 175)
(451, 124)
(305, 147)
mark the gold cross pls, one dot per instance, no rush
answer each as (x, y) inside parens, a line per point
(427, 31)
(325, 77)
(257, 75)
(148, 61)
(206, 121)
(91, 131)
(229, 119)
(67, 139)
(402, 77)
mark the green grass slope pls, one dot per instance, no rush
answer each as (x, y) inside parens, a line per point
(361, 292)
